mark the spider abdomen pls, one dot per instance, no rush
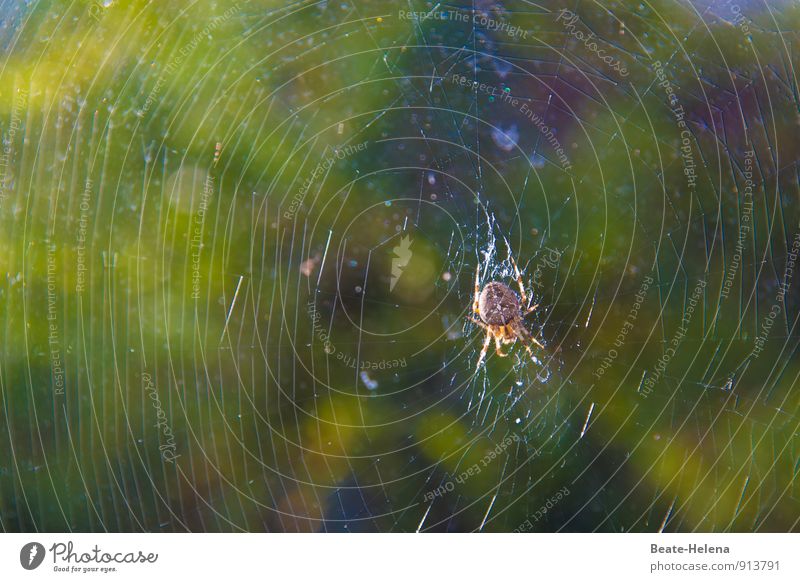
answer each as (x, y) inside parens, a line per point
(497, 304)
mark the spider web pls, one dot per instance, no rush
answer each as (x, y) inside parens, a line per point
(253, 232)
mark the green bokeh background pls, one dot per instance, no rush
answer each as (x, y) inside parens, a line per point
(116, 116)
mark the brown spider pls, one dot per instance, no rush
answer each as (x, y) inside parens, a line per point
(501, 314)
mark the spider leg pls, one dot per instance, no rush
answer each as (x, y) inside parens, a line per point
(526, 341)
(521, 286)
(526, 337)
(530, 310)
(477, 321)
(477, 290)
(532, 340)
(484, 350)
(528, 348)
(498, 348)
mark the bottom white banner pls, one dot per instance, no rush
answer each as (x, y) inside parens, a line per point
(355, 557)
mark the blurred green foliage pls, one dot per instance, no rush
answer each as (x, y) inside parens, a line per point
(116, 116)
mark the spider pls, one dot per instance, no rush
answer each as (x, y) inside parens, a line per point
(501, 314)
